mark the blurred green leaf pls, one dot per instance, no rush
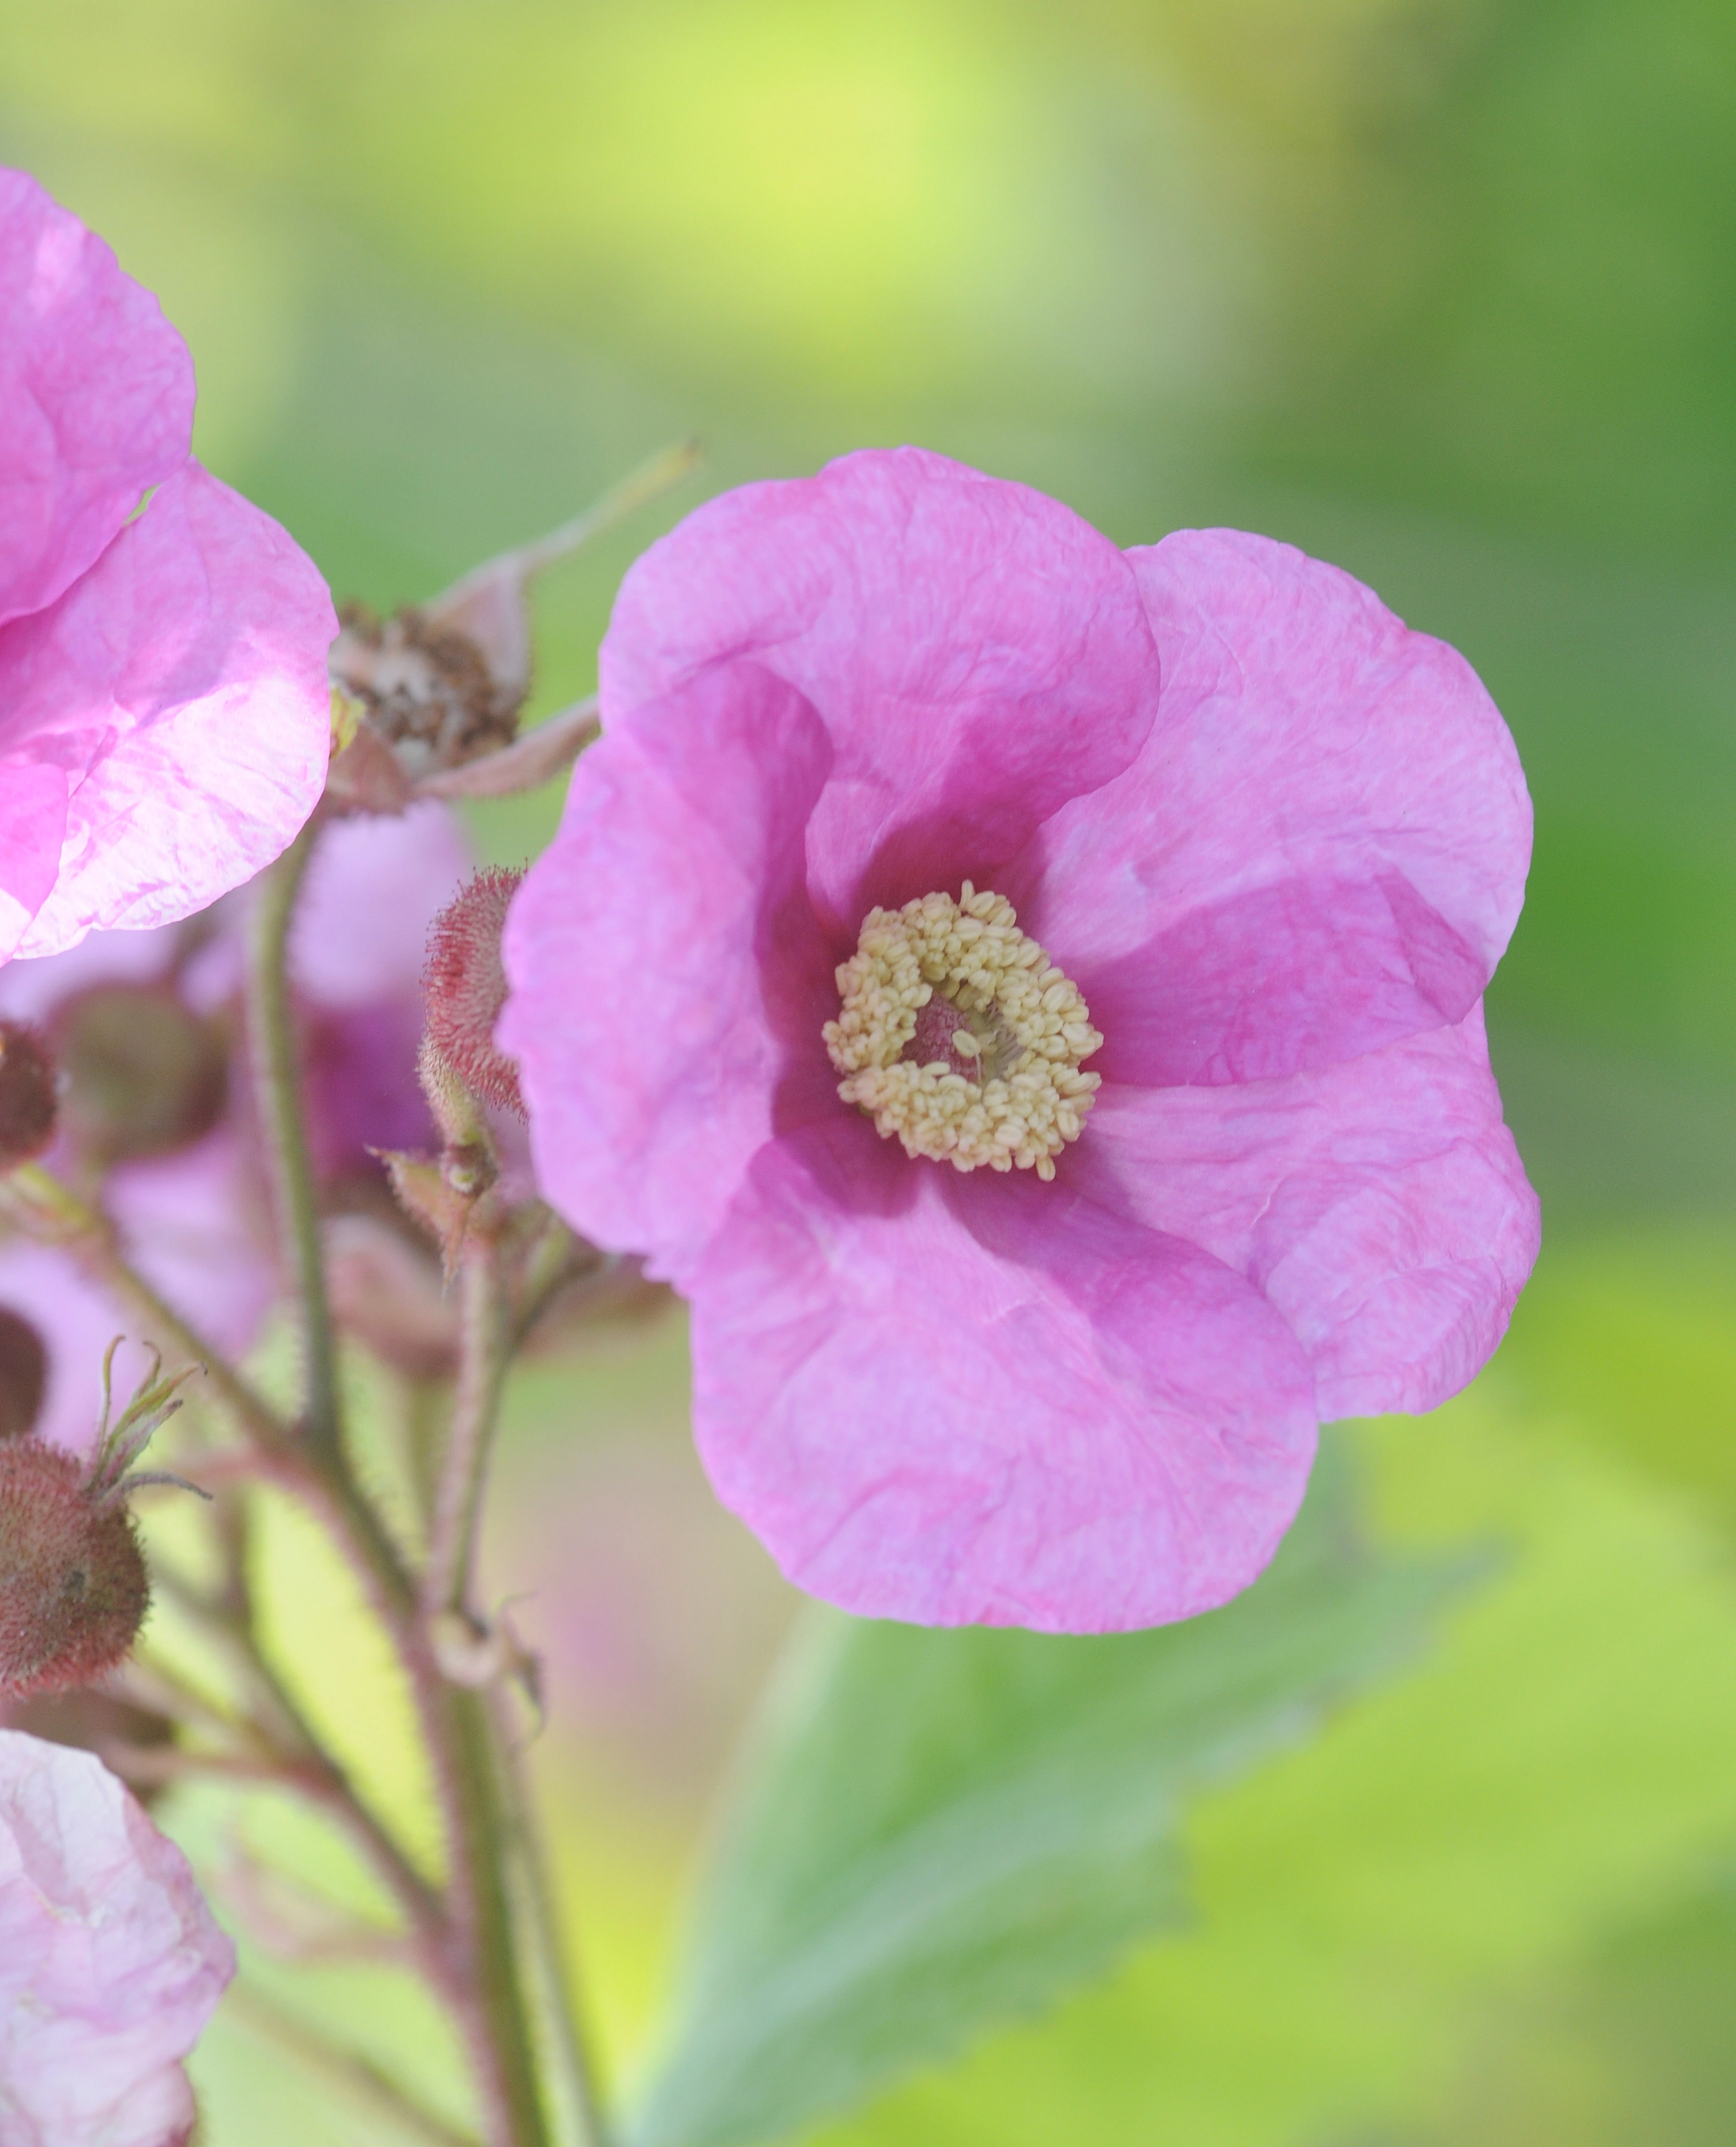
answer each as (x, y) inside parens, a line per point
(939, 1831)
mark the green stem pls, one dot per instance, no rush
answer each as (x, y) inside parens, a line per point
(276, 1076)
(494, 2009)
(570, 2059)
(478, 1972)
(484, 1359)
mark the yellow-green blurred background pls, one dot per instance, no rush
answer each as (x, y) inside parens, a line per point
(1444, 290)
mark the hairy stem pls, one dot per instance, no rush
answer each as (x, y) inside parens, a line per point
(484, 1359)
(575, 2076)
(475, 1968)
(277, 1077)
(494, 2008)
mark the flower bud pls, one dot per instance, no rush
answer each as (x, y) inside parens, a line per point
(465, 987)
(144, 1074)
(27, 1094)
(74, 1592)
(23, 1373)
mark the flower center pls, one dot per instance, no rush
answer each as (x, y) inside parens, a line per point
(958, 1034)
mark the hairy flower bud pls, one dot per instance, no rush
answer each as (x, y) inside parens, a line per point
(23, 1373)
(72, 1586)
(73, 1589)
(28, 1093)
(464, 987)
(144, 1074)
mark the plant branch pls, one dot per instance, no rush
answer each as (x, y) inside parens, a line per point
(576, 2071)
(52, 1212)
(358, 2077)
(485, 1355)
(277, 1078)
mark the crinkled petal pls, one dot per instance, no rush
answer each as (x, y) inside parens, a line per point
(96, 397)
(975, 654)
(668, 976)
(180, 687)
(1322, 847)
(985, 1399)
(110, 1962)
(1380, 1205)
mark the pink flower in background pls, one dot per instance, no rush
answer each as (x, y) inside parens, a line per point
(1027, 996)
(374, 887)
(110, 1962)
(190, 1216)
(164, 710)
(194, 1218)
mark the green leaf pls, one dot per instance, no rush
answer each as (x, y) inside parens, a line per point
(936, 1832)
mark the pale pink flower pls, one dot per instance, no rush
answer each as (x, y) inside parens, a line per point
(1277, 841)
(196, 1221)
(164, 710)
(191, 1221)
(110, 1962)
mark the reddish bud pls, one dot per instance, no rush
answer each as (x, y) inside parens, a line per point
(73, 1587)
(27, 1094)
(465, 987)
(144, 1074)
(23, 1373)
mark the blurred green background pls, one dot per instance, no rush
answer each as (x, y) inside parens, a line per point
(1443, 290)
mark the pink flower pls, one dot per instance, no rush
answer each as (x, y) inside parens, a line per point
(195, 1220)
(375, 885)
(110, 1962)
(191, 1219)
(1264, 847)
(164, 711)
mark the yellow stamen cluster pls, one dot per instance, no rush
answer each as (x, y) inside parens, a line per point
(1017, 1023)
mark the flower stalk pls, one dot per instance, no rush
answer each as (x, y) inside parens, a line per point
(271, 1034)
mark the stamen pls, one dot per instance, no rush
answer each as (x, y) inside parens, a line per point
(958, 1034)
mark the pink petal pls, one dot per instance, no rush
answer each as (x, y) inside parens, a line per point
(30, 990)
(375, 885)
(180, 687)
(1322, 847)
(1380, 1206)
(76, 1321)
(110, 1962)
(975, 653)
(191, 1224)
(33, 834)
(666, 966)
(986, 1399)
(96, 397)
